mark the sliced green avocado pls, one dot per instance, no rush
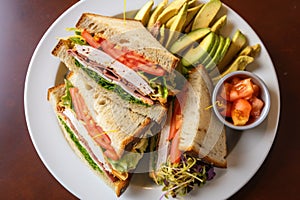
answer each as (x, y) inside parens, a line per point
(239, 40)
(199, 53)
(212, 52)
(213, 62)
(206, 14)
(225, 48)
(213, 70)
(188, 39)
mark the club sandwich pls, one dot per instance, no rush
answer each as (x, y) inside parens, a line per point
(121, 56)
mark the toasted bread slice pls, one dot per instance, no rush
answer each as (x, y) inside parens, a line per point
(130, 34)
(202, 134)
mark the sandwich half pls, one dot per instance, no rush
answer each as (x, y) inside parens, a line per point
(120, 55)
(192, 142)
(106, 132)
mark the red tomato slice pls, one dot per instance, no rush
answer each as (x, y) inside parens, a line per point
(257, 105)
(174, 151)
(176, 120)
(90, 39)
(176, 112)
(242, 89)
(225, 91)
(130, 59)
(151, 69)
(134, 56)
(240, 112)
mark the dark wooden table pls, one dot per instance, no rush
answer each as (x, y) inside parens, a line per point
(22, 173)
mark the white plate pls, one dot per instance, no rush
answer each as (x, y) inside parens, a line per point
(247, 150)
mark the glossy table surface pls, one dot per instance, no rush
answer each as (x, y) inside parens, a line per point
(22, 173)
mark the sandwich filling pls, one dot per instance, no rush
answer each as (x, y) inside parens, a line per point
(137, 76)
(92, 141)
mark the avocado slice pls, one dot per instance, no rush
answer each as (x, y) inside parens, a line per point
(157, 11)
(192, 11)
(199, 53)
(225, 48)
(239, 40)
(246, 51)
(177, 26)
(143, 14)
(170, 10)
(170, 21)
(239, 63)
(213, 62)
(162, 34)
(214, 71)
(188, 39)
(212, 52)
(206, 14)
(256, 50)
(219, 24)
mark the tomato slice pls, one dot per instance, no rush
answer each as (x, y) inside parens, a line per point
(242, 89)
(174, 150)
(151, 69)
(176, 120)
(257, 105)
(90, 39)
(240, 112)
(175, 116)
(129, 58)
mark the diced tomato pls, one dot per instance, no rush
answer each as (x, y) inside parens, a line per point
(256, 90)
(235, 80)
(224, 107)
(90, 39)
(225, 91)
(174, 151)
(257, 106)
(240, 112)
(242, 89)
